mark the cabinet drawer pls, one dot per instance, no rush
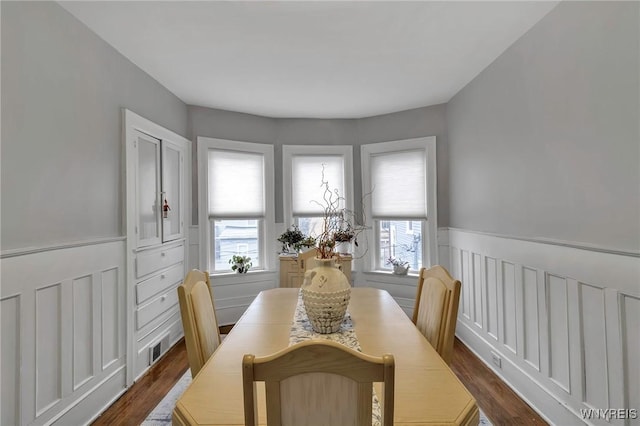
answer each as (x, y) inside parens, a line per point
(147, 313)
(148, 262)
(157, 283)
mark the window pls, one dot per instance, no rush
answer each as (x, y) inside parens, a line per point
(303, 168)
(236, 202)
(401, 178)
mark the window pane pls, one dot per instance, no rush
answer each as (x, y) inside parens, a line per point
(402, 240)
(239, 237)
(310, 225)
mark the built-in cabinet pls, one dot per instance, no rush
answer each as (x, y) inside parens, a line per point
(157, 187)
(293, 267)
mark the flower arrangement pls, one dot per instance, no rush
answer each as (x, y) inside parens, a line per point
(240, 264)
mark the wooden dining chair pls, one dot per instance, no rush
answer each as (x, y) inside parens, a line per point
(436, 309)
(201, 332)
(318, 382)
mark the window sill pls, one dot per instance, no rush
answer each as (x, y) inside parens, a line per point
(230, 274)
(388, 277)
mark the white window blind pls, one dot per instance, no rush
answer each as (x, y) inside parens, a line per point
(236, 184)
(399, 185)
(306, 183)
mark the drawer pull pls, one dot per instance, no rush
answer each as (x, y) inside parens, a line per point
(162, 277)
(163, 297)
(163, 254)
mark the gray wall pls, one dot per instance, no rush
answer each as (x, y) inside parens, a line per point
(414, 123)
(545, 141)
(62, 91)
(427, 121)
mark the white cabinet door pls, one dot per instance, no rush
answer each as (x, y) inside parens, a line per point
(172, 191)
(148, 225)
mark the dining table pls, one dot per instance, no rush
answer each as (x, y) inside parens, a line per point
(427, 392)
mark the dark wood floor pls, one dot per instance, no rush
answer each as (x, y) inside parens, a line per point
(501, 405)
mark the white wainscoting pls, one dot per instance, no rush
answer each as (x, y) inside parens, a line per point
(563, 320)
(401, 288)
(233, 293)
(194, 248)
(63, 332)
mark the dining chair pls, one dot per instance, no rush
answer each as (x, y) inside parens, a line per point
(436, 309)
(318, 382)
(201, 332)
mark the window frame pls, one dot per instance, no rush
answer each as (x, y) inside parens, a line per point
(289, 151)
(266, 232)
(429, 223)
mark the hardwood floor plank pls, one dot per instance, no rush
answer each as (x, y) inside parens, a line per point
(135, 404)
(501, 404)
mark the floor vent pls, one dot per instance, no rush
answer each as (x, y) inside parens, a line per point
(157, 349)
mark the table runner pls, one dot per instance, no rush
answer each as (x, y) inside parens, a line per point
(301, 330)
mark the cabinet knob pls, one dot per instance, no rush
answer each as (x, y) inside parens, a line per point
(163, 254)
(162, 277)
(163, 297)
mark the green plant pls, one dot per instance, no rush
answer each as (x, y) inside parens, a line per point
(344, 235)
(240, 264)
(293, 238)
(307, 242)
(396, 262)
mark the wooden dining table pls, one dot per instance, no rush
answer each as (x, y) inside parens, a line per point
(427, 392)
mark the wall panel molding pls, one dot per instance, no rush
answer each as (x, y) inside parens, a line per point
(563, 318)
(63, 331)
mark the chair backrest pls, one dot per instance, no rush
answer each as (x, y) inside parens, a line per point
(436, 309)
(318, 382)
(201, 332)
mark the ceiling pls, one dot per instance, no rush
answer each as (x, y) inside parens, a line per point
(311, 59)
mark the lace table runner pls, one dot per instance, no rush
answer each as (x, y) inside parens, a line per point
(301, 330)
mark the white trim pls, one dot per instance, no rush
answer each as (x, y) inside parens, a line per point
(204, 144)
(288, 151)
(133, 123)
(551, 241)
(429, 240)
(39, 249)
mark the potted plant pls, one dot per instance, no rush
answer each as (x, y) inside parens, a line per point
(240, 264)
(400, 267)
(343, 238)
(293, 240)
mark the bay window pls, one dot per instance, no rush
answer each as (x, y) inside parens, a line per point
(400, 177)
(236, 202)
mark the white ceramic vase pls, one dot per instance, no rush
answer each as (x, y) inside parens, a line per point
(325, 292)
